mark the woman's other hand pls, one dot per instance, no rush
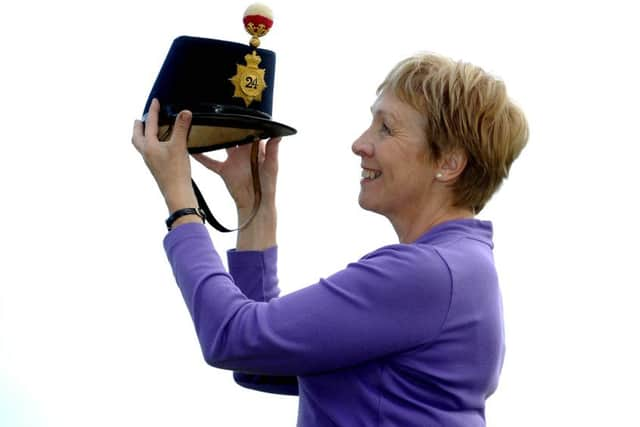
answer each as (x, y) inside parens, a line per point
(235, 170)
(168, 161)
(260, 233)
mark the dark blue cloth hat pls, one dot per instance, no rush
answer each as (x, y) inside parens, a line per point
(227, 86)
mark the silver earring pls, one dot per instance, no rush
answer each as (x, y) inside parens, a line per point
(439, 175)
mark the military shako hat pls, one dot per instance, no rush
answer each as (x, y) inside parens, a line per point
(227, 86)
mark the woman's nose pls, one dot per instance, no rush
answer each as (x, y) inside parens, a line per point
(361, 147)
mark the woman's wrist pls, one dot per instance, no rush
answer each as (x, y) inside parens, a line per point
(266, 210)
(185, 220)
(181, 201)
(260, 233)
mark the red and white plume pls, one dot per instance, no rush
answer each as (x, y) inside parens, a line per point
(258, 19)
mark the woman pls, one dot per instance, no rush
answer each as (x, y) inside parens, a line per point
(412, 333)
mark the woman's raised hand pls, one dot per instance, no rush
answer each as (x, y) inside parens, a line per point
(167, 161)
(235, 170)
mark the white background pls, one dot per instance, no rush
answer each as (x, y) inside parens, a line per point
(93, 330)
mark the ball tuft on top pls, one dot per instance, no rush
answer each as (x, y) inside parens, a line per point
(257, 19)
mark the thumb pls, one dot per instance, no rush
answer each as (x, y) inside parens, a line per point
(209, 163)
(181, 128)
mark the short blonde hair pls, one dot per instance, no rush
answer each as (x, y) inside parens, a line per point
(465, 108)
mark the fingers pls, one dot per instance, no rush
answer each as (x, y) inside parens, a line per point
(262, 151)
(274, 142)
(239, 149)
(138, 135)
(209, 163)
(240, 155)
(151, 123)
(181, 128)
(271, 151)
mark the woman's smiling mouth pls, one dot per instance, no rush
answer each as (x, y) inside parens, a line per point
(370, 174)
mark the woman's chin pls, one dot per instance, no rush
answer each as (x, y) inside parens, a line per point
(366, 204)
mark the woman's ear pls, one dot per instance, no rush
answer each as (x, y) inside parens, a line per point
(451, 165)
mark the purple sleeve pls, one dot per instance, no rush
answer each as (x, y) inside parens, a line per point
(391, 300)
(255, 272)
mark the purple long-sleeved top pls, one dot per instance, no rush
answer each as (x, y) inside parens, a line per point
(410, 335)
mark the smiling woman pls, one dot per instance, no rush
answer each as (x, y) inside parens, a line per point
(442, 139)
(398, 174)
(410, 334)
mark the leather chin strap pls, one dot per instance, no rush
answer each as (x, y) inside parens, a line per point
(257, 191)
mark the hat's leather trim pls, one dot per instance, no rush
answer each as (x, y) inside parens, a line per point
(263, 128)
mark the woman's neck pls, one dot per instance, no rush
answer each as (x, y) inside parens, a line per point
(411, 227)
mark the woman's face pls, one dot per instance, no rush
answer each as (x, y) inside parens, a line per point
(397, 174)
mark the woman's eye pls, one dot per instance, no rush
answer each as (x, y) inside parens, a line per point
(385, 129)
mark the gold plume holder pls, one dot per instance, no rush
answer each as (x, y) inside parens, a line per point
(249, 80)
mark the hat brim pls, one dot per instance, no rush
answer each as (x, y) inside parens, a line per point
(217, 131)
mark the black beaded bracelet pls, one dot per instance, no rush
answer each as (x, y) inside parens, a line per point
(182, 212)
